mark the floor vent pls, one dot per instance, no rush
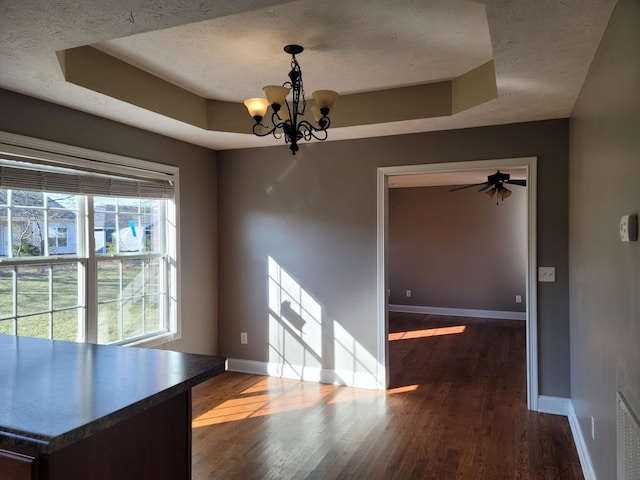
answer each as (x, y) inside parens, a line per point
(628, 428)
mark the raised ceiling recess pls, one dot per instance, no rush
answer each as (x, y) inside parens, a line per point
(437, 60)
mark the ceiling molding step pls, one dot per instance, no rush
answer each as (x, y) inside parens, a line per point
(91, 68)
(475, 87)
(229, 117)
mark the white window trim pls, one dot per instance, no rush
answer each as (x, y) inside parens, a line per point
(20, 145)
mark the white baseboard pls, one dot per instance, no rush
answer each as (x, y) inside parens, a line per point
(458, 312)
(309, 374)
(247, 366)
(564, 406)
(554, 405)
(581, 446)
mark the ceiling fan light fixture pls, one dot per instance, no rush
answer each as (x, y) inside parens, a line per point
(504, 193)
(495, 186)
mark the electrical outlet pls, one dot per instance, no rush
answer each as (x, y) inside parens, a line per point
(243, 338)
(408, 293)
(518, 298)
(546, 274)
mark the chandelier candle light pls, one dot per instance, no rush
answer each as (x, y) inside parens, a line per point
(289, 121)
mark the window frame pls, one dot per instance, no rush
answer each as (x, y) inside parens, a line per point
(76, 157)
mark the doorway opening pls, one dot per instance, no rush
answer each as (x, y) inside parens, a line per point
(387, 174)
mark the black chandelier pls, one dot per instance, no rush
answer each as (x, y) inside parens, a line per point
(289, 121)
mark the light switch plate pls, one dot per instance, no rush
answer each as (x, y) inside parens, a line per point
(546, 274)
(629, 228)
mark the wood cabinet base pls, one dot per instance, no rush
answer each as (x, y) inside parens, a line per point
(153, 444)
(16, 466)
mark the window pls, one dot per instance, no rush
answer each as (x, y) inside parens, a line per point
(87, 246)
(58, 240)
(131, 273)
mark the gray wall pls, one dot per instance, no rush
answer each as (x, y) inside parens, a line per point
(457, 249)
(198, 197)
(605, 273)
(315, 213)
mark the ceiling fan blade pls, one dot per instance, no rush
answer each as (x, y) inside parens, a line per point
(467, 186)
(486, 187)
(522, 183)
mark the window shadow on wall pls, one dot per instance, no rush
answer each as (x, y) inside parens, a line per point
(304, 342)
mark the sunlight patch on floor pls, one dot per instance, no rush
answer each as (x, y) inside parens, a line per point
(429, 332)
(284, 396)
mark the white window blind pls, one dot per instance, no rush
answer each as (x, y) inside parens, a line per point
(20, 175)
(38, 165)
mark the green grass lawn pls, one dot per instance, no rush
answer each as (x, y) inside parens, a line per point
(120, 316)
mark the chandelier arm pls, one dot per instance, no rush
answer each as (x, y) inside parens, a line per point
(325, 123)
(323, 136)
(308, 134)
(306, 126)
(263, 134)
(276, 121)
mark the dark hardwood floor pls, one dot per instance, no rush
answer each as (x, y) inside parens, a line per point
(456, 409)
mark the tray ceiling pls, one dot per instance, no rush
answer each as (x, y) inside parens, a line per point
(226, 51)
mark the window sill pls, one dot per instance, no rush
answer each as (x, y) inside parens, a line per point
(155, 341)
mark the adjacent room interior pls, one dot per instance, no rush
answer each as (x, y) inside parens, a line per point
(454, 253)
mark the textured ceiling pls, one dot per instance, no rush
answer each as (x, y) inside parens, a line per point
(228, 50)
(350, 46)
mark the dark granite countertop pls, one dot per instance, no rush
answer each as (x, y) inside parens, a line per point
(55, 393)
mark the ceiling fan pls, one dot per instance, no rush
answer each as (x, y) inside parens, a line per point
(495, 185)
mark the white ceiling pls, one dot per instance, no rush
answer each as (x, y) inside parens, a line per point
(542, 50)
